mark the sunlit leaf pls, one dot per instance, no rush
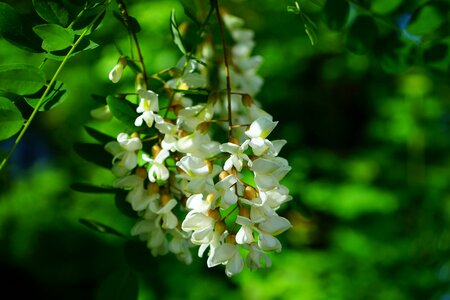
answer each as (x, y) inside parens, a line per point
(122, 109)
(335, 13)
(94, 153)
(99, 136)
(385, 7)
(99, 227)
(54, 98)
(120, 285)
(176, 35)
(21, 79)
(362, 34)
(54, 37)
(10, 119)
(52, 11)
(84, 45)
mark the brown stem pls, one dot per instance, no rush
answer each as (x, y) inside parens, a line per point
(215, 4)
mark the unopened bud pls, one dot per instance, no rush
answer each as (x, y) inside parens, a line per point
(231, 239)
(141, 172)
(116, 72)
(247, 100)
(215, 214)
(223, 174)
(203, 127)
(244, 211)
(101, 113)
(182, 133)
(210, 198)
(135, 135)
(234, 140)
(140, 82)
(220, 227)
(155, 150)
(210, 165)
(165, 198)
(250, 193)
(153, 188)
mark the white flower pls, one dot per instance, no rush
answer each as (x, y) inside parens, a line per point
(237, 156)
(116, 72)
(229, 255)
(165, 213)
(179, 245)
(256, 259)
(201, 225)
(198, 173)
(269, 171)
(148, 105)
(149, 230)
(258, 131)
(124, 151)
(101, 113)
(224, 189)
(138, 196)
(170, 134)
(274, 225)
(190, 117)
(158, 171)
(188, 79)
(198, 144)
(245, 233)
(196, 203)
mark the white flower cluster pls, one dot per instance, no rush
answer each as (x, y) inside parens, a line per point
(190, 189)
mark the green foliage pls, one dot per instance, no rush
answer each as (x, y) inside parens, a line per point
(385, 7)
(428, 17)
(10, 119)
(122, 109)
(54, 37)
(56, 96)
(176, 35)
(89, 188)
(99, 227)
(21, 79)
(94, 153)
(335, 13)
(122, 284)
(362, 34)
(53, 12)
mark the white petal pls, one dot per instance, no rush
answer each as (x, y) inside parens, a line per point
(275, 225)
(234, 265)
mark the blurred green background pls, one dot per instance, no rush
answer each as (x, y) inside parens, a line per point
(368, 141)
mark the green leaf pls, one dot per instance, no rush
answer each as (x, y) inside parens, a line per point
(14, 29)
(54, 36)
(99, 227)
(137, 256)
(11, 120)
(123, 110)
(120, 285)
(99, 136)
(384, 7)
(190, 10)
(94, 153)
(123, 206)
(89, 188)
(428, 18)
(362, 34)
(21, 79)
(52, 11)
(84, 45)
(435, 53)
(336, 13)
(176, 35)
(54, 98)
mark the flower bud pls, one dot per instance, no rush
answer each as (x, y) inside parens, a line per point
(244, 211)
(165, 198)
(101, 113)
(250, 193)
(215, 214)
(231, 239)
(153, 188)
(234, 140)
(220, 227)
(155, 150)
(203, 127)
(223, 174)
(141, 172)
(140, 82)
(210, 198)
(135, 135)
(247, 100)
(116, 72)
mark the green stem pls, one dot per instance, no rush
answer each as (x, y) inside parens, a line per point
(38, 105)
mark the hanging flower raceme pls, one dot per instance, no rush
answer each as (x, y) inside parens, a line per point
(189, 184)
